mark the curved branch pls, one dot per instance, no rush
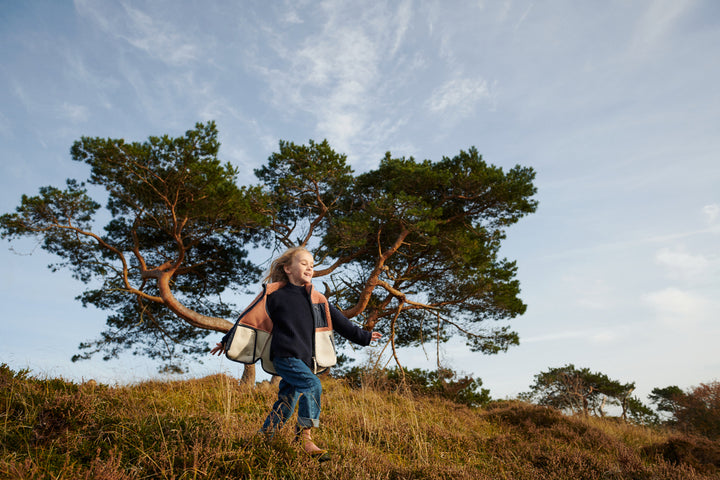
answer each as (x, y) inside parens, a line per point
(339, 262)
(373, 280)
(402, 296)
(192, 317)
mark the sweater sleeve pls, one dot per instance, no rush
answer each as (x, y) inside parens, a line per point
(347, 329)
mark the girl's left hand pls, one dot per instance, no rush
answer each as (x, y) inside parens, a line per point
(375, 336)
(219, 349)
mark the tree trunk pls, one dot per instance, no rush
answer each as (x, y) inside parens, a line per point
(248, 376)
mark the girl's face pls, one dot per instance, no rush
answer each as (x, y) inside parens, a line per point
(300, 270)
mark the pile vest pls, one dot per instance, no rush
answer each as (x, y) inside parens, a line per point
(250, 338)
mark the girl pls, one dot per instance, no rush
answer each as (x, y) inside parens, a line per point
(295, 310)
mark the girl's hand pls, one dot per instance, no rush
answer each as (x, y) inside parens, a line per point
(218, 350)
(375, 336)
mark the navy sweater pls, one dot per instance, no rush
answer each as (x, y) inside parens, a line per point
(294, 328)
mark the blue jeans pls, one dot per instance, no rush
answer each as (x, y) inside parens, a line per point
(299, 386)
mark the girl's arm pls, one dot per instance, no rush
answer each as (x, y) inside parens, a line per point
(349, 330)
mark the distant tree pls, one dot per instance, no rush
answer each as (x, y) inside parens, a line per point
(640, 413)
(174, 241)
(411, 248)
(579, 391)
(696, 411)
(561, 388)
(613, 392)
(667, 400)
(700, 410)
(443, 382)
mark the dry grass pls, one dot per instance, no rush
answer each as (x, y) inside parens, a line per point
(206, 428)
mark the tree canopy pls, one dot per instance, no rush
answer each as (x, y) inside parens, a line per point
(424, 239)
(695, 411)
(582, 391)
(410, 248)
(175, 239)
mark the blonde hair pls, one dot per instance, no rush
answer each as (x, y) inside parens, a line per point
(277, 267)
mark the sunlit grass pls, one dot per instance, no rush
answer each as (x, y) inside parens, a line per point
(206, 428)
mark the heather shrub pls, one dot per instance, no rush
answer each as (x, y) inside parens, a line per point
(206, 429)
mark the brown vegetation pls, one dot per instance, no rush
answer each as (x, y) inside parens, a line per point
(206, 428)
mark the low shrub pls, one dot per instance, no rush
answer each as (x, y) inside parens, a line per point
(443, 383)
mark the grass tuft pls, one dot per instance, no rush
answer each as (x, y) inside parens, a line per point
(206, 428)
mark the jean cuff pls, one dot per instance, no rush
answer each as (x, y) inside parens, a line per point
(308, 422)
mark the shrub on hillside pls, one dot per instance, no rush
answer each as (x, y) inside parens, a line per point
(444, 383)
(700, 453)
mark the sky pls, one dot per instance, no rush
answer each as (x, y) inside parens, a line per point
(614, 104)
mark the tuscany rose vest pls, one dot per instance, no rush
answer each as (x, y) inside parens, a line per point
(250, 338)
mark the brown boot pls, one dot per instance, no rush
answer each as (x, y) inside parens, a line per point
(309, 447)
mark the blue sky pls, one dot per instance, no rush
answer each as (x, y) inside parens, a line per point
(615, 104)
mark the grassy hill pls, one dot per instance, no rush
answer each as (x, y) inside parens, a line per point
(206, 428)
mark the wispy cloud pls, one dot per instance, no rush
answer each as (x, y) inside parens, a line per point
(682, 262)
(335, 74)
(712, 213)
(158, 39)
(156, 59)
(459, 97)
(290, 14)
(627, 244)
(657, 22)
(669, 256)
(680, 309)
(74, 113)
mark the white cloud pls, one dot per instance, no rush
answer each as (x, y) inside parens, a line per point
(335, 73)
(458, 97)
(523, 17)
(160, 40)
(678, 308)
(682, 262)
(291, 17)
(87, 8)
(404, 15)
(74, 113)
(712, 213)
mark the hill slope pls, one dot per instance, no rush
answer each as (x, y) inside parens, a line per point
(206, 428)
